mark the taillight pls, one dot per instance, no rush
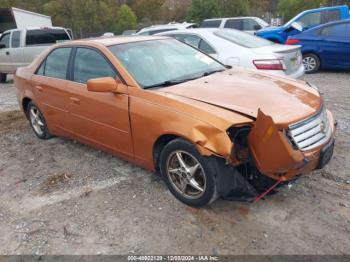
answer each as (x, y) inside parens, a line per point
(292, 41)
(273, 64)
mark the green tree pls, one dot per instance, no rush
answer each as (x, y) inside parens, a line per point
(230, 8)
(148, 9)
(126, 19)
(287, 9)
(203, 9)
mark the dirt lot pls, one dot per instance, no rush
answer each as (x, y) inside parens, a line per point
(61, 197)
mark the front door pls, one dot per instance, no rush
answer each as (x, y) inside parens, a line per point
(335, 48)
(101, 119)
(5, 58)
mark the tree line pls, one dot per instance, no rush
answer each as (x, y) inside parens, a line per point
(89, 17)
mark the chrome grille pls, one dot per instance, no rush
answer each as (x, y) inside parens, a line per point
(312, 132)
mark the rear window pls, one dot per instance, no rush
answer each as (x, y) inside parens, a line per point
(234, 24)
(243, 39)
(210, 24)
(46, 36)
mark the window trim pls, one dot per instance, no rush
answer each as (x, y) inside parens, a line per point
(10, 34)
(43, 62)
(71, 65)
(71, 62)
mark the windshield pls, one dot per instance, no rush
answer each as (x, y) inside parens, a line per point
(163, 62)
(243, 39)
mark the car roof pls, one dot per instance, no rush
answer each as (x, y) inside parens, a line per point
(166, 26)
(109, 41)
(236, 17)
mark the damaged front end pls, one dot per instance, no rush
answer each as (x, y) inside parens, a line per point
(262, 154)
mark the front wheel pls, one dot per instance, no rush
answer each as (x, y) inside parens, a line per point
(187, 174)
(37, 121)
(311, 63)
(3, 78)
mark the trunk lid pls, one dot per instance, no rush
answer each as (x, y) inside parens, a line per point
(291, 55)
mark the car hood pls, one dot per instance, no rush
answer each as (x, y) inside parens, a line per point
(246, 91)
(271, 29)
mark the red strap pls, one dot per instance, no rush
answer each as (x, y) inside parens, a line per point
(268, 191)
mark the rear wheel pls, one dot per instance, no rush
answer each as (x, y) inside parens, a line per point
(188, 175)
(311, 63)
(37, 121)
(3, 78)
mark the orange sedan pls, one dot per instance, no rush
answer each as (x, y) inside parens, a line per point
(211, 131)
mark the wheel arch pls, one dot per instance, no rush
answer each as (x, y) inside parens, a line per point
(159, 145)
(25, 102)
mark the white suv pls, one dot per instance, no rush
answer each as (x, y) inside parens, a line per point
(247, 24)
(156, 29)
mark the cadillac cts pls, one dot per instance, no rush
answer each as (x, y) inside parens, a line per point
(211, 131)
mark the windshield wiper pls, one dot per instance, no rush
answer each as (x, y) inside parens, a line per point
(213, 72)
(169, 83)
(175, 82)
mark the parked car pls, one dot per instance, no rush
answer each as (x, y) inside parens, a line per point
(304, 21)
(236, 48)
(166, 106)
(155, 29)
(19, 47)
(247, 24)
(326, 46)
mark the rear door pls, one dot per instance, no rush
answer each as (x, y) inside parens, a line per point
(101, 119)
(16, 52)
(335, 50)
(5, 51)
(50, 87)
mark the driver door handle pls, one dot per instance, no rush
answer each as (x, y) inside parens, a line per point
(7, 53)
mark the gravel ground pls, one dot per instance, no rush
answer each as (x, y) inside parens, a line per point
(61, 197)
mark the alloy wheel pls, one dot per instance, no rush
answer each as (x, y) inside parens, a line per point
(310, 63)
(186, 174)
(36, 120)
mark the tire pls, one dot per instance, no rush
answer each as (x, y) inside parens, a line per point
(3, 78)
(311, 63)
(199, 174)
(37, 122)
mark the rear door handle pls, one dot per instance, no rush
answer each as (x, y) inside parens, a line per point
(39, 88)
(75, 100)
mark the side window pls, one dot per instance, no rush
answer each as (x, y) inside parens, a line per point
(210, 24)
(330, 15)
(56, 64)
(90, 64)
(250, 25)
(206, 48)
(5, 40)
(335, 31)
(234, 24)
(46, 36)
(192, 40)
(310, 20)
(15, 40)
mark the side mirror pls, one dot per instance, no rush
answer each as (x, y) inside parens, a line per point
(2, 46)
(297, 26)
(257, 27)
(103, 84)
